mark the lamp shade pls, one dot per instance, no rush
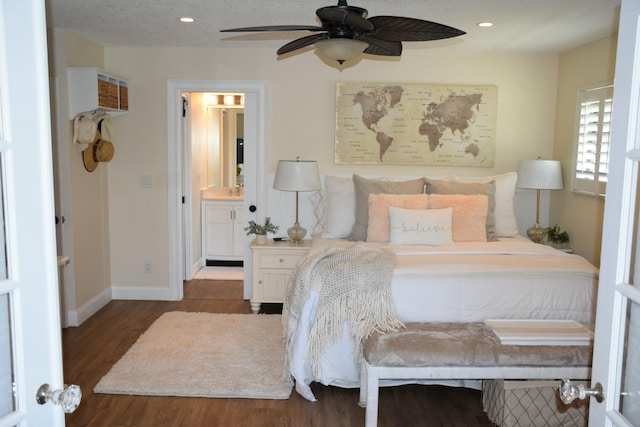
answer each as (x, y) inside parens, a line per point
(539, 174)
(297, 175)
(341, 49)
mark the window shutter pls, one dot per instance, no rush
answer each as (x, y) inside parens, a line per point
(591, 159)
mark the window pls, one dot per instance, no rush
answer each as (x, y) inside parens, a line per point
(591, 149)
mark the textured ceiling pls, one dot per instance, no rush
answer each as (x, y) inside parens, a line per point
(520, 25)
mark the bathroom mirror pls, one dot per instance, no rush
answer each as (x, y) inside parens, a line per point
(225, 146)
(219, 130)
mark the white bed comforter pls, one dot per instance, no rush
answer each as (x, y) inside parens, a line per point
(465, 282)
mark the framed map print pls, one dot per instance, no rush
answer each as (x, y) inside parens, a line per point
(415, 124)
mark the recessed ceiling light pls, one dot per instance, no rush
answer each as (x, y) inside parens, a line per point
(485, 24)
(187, 19)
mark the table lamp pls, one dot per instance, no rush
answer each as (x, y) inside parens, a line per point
(539, 175)
(297, 175)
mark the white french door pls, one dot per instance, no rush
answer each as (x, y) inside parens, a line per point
(30, 347)
(617, 336)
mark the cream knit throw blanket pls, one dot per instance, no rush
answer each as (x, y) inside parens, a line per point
(354, 285)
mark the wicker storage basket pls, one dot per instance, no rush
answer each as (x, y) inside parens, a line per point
(530, 403)
(124, 96)
(107, 92)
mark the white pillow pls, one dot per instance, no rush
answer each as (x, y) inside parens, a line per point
(430, 227)
(319, 203)
(504, 212)
(341, 207)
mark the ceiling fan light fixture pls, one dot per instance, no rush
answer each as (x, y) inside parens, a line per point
(341, 49)
(347, 32)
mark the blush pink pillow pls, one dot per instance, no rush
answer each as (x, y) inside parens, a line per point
(379, 204)
(469, 222)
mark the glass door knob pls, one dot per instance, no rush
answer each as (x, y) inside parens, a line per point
(69, 398)
(570, 391)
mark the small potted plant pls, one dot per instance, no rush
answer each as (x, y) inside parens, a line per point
(261, 230)
(557, 237)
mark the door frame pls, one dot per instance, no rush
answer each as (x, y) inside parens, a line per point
(255, 193)
(187, 224)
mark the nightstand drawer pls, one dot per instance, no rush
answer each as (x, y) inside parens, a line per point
(277, 260)
(272, 266)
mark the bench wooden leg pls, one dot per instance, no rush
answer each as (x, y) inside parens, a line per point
(371, 413)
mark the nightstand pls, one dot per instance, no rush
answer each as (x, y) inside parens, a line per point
(565, 249)
(562, 248)
(272, 266)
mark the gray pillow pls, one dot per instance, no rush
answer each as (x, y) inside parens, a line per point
(453, 187)
(364, 186)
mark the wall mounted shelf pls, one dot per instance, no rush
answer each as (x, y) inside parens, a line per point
(93, 89)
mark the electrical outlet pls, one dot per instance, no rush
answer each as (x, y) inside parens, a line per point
(147, 266)
(146, 181)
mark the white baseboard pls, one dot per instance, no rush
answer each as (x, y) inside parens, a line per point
(195, 267)
(77, 317)
(140, 293)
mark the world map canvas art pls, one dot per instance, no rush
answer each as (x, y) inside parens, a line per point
(415, 124)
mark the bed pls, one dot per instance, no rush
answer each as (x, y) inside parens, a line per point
(457, 257)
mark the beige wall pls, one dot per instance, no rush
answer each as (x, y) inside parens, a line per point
(81, 197)
(580, 215)
(301, 122)
(302, 94)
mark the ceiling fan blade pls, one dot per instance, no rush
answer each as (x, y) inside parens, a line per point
(381, 47)
(275, 28)
(396, 28)
(301, 42)
(354, 17)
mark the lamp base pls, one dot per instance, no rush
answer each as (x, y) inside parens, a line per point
(536, 233)
(296, 233)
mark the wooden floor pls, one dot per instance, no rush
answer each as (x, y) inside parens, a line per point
(90, 350)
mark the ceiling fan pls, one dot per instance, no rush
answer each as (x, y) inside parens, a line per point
(346, 32)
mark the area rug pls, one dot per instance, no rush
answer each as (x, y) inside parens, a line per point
(204, 355)
(219, 273)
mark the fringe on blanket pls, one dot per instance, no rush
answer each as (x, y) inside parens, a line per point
(353, 285)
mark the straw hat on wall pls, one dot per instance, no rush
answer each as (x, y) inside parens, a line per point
(100, 150)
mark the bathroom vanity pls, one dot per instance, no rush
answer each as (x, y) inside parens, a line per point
(223, 235)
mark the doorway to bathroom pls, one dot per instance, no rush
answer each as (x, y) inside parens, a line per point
(213, 126)
(185, 186)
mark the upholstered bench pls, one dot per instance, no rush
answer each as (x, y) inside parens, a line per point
(449, 351)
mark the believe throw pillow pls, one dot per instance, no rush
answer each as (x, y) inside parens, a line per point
(431, 227)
